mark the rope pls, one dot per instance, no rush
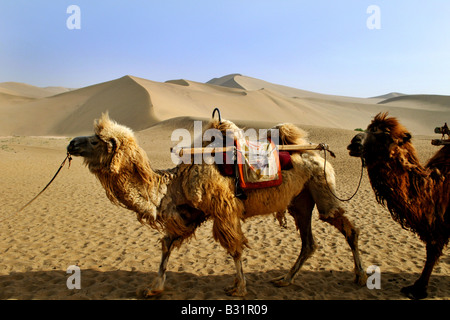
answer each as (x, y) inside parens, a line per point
(48, 184)
(325, 149)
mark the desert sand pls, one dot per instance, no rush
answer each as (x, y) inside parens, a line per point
(73, 223)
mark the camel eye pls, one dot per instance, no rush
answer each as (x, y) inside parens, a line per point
(94, 143)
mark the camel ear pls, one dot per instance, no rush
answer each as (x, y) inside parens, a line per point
(405, 138)
(113, 145)
(117, 158)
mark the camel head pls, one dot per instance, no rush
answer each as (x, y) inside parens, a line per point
(382, 135)
(356, 146)
(104, 150)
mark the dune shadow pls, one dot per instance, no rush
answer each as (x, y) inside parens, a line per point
(120, 284)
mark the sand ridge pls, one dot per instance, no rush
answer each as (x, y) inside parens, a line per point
(140, 103)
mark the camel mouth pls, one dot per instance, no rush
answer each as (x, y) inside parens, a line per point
(356, 146)
(73, 151)
(74, 148)
(355, 149)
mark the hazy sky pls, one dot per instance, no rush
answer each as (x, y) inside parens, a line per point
(322, 46)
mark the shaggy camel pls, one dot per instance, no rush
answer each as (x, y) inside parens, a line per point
(417, 197)
(178, 200)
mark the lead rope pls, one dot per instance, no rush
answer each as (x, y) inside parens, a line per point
(325, 149)
(48, 184)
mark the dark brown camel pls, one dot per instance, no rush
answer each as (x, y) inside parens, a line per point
(416, 196)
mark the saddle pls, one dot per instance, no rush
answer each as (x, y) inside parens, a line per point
(255, 164)
(258, 164)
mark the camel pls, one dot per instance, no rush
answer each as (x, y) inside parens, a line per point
(445, 131)
(416, 196)
(178, 200)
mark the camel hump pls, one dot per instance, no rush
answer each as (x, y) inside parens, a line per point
(291, 134)
(223, 126)
(288, 133)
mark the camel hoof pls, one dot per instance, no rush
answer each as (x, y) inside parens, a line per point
(361, 279)
(235, 291)
(414, 292)
(280, 282)
(149, 293)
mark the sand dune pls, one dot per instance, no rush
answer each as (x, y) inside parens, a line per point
(140, 103)
(420, 101)
(7, 98)
(227, 81)
(389, 95)
(29, 91)
(73, 112)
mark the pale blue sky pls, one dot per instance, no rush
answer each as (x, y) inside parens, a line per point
(322, 46)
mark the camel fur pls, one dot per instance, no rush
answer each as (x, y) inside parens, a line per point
(178, 200)
(416, 196)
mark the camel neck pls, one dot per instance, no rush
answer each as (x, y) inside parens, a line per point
(399, 185)
(137, 188)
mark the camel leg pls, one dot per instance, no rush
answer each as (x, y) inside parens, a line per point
(351, 234)
(157, 287)
(419, 289)
(229, 234)
(330, 211)
(239, 288)
(301, 209)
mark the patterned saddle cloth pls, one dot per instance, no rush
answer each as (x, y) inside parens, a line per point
(230, 167)
(258, 164)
